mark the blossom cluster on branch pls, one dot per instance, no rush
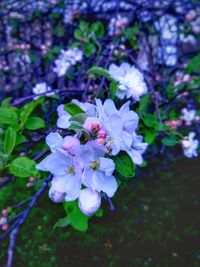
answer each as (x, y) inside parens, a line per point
(84, 164)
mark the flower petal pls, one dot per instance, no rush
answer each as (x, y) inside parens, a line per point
(104, 183)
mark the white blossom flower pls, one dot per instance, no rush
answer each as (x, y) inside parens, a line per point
(190, 145)
(42, 88)
(131, 81)
(137, 149)
(188, 116)
(66, 59)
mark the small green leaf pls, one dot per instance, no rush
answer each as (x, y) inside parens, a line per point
(34, 123)
(63, 222)
(23, 167)
(80, 118)
(73, 109)
(29, 108)
(77, 219)
(170, 141)
(89, 48)
(76, 126)
(5, 103)
(9, 140)
(8, 116)
(101, 72)
(99, 213)
(20, 139)
(150, 120)
(98, 28)
(124, 164)
(113, 89)
(150, 135)
(144, 103)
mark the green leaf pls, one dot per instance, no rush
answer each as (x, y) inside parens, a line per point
(34, 123)
(76, 126)
(113, 89)
(63, 222)
(101, 72)
(78, 34)
(194, 64)
(150, 135)
(29, 108)
(144, 103)
(80, 118)
(5, 103)
(9, 140)
(8, 116)
(170, 141)
(77, 219)
(23, 167)
(98, 28)
(73, 109)
(89, 48)
(150, 120)
(124, 164)
(99, 213)
(20, 139)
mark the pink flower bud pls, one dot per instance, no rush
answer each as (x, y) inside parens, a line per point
(70, 143)
(101, 134)
(95, 126)
(56, 196)
(173, 124)
(89, 201)
(32, 180)
(5, 227)
(92, 124)
(5, 212)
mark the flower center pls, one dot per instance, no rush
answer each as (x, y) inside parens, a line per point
(70, 170)
(94, 165)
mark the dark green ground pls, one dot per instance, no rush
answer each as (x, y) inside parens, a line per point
(156, 223)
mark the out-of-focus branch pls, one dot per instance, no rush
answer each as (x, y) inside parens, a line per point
(20, 221)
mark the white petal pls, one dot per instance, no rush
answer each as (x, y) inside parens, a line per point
(63, 121)
(107, 166)
(89, 201)
(104, 183)
(54, 140)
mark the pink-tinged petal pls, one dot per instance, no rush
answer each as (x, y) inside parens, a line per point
(56, 196)
(70, 143)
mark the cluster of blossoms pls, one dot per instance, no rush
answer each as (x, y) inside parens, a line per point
(66, 59)
(131, 81)
(117, 25)
(42, 88)
(83, 164)
(190, 145)
(188, 116)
